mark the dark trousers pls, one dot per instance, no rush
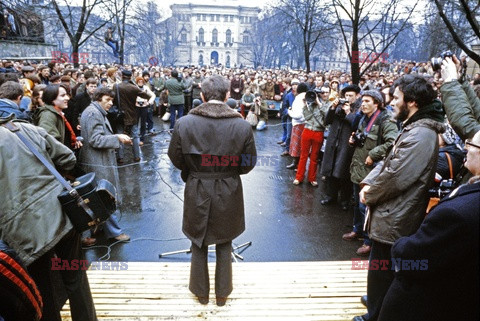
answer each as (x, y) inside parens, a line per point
(199, 279)
(378, 281)
(284, 126)
(359, 213)
(289, 133)
(75, 281)
(188, 103)
(335, 185)
(142, 115)
(173, 115)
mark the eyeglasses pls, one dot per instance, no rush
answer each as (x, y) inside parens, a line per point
(469, 143)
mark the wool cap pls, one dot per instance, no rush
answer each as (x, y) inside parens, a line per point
(375, 94)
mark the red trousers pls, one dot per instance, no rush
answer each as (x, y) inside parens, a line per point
(310, 144)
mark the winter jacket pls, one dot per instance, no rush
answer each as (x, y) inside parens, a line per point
(297, 110)
(99, 143)
(8, 107)
(31, 220)
(376, 147)
(315, 116)
(126, 100)
(213, 146)
(462, 108)
(49, 119)
(175, 91)
(398, 194)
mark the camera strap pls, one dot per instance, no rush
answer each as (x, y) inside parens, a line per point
(371, 121)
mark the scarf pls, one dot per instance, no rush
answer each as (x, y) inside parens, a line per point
(432, 111)
(73, 137)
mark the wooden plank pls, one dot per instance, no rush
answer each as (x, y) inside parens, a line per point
(262, 291)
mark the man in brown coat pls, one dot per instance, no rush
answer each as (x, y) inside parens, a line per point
(213, 146)
(125, 98)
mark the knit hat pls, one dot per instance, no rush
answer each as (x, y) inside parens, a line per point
(375, 94)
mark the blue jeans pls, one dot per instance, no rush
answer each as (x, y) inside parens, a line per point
(289, 133)
(142, 114)
(114, 46)
(359, 210)
(173, 109)
(283, 118)
(150, 118)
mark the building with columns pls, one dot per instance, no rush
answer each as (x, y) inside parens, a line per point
(213, 34)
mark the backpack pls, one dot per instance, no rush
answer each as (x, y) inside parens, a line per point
(19, 296)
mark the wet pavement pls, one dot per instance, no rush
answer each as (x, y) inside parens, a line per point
(284, 222)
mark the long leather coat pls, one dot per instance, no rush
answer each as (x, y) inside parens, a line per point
(213, 146)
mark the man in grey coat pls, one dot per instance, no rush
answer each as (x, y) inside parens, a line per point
(396, 190)
(98, 151)
(213, 146)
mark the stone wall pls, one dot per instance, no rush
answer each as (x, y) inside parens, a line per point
(20, 49)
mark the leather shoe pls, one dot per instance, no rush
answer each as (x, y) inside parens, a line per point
(364, 250)
(203, 299)
(136, 159)
(350, 236)
(285, 153)
(283, 144)
(221, 301)
(364, 299)
(280, 142)
(292, 166)
(327, 201)
(89, 241)
(358, 318)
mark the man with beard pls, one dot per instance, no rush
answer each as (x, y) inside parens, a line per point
(396, 190)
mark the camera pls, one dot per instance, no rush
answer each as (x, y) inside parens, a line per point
(445, 187)
(437, 61)
(339, 110)
(359, 139)
(310, 97)
(342, 102)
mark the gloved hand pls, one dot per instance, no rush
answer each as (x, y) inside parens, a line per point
(449, 70)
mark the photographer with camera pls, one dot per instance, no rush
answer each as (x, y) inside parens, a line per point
(142, 105)
(260, 109)
(312, 136)
(396, 190)
(375, 135)
(461, 104)
(338, 153)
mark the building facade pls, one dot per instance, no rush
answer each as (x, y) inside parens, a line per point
(213, 34)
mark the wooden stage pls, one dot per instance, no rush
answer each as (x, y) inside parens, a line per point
(262, 291)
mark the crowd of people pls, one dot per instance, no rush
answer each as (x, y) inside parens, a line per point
(381, 146)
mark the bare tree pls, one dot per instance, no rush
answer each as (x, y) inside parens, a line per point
(370, 27)
(313, 19)
(120, 14)
(468, 10)
(75, 23)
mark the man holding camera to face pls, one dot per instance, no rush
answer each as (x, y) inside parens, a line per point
(338, 153)
(375, 134)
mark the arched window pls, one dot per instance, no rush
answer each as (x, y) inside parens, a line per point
(201, 35)
(227, 62)
(214, 35)
(200, 59)
(229, 36)
(246, 39)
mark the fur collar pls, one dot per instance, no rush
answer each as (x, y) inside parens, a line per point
(214, 110)
(429, 123)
